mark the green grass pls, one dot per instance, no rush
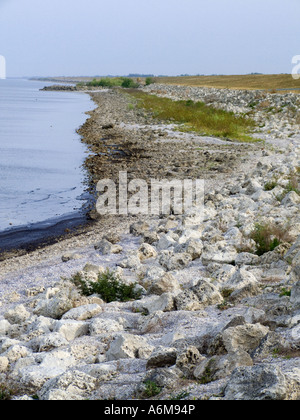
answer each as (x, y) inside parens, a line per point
(197, 117)
(109, 286)
(285, 292)
(271, 185)
(152, 389)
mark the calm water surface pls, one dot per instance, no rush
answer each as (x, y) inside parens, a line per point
(41, 178)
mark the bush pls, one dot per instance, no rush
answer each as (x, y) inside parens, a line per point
(105, 82)
(269, 186)
(109, 286)
(149, 81)
(129, 83)
(268, 237)
(152, 389)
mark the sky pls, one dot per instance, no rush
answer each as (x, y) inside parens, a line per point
(161, 37)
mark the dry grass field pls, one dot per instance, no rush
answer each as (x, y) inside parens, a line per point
(257, 81)
(269, 82)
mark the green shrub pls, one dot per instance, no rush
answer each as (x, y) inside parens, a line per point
(285, 292)
(152, 390)
(129, 83)
(269, 186)
(149, 81)
(109, 286)
(105, 82)
(268, 237)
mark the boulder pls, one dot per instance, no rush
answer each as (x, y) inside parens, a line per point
(71, 329)
(252, 186)
(4, 327)
(54, 308)
(193, 247)
(6, 343)
(188, 360)
(73, 385)
(162, 377)
(105, 326)
(207, 294)
(17, 315)
(105, 247)
(219, 367)
(127, 346)
(233, 236)
(92, 268)
(175, 262)
(48, 342)
(292, 252)
(146, 252)
(162, 357)
(132, 261)
(4, 363)
(187, 301)
(70, 256)
(40, 326)
(139, 228)
(50, 366)
(245, 258)
(166, 241)
(261, 382)
(150, 237)
(82, 313)
(271, 342)
(164, 303)
(240, 280)
(166, 284)
(16, 352)
(291, 199)
(220, 252)
(295, 295)
(244, 337)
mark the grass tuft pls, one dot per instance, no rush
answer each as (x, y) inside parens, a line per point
(152, 389)
(268, 237)
(109, 286)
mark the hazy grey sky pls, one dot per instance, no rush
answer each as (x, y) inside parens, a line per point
(96, 37)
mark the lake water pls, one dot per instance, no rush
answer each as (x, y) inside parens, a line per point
(41, 156)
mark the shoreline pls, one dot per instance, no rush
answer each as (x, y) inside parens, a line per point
(213, 313)
(126, 145)
(28, 238)
(129, 132)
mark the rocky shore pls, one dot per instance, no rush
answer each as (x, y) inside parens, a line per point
(218, 316)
